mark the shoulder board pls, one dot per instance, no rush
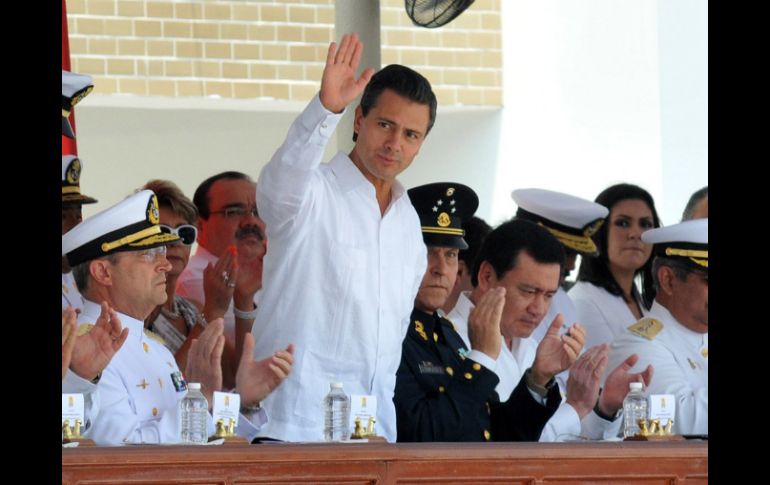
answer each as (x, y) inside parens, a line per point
(648, 328)
(154, 336)
(84, 328)
(420, 329)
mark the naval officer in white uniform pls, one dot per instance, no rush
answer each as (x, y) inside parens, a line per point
(118, 257)
(674, 335)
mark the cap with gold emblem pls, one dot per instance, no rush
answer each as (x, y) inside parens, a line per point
(571, 219)
(74, 87)
(71, 168)
(687, 241)
(443, 207)
(129, 225)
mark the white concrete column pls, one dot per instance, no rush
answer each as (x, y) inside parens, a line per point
(362, 17)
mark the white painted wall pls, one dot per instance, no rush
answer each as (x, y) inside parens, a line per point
(125, 141)
(604, 91)
(596, 92)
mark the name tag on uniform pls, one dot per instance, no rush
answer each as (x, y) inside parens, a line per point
(179, 383)
(72, 409)
(227, 406)
(426, 367)
(663, 407)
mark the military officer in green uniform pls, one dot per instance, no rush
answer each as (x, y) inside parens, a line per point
(445, 392)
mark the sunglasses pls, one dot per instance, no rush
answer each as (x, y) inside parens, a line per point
(186, 232)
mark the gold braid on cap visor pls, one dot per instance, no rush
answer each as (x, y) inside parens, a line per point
(443, 230)
(582, 244)
(150, 231)
(699, 257)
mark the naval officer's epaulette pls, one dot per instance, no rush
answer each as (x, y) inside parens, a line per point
(647, 327)
(154, 336)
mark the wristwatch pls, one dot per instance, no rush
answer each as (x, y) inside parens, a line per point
(251, 409)
(540, 390)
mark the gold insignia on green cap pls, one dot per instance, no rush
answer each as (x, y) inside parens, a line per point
(647, 327)
(443, 219)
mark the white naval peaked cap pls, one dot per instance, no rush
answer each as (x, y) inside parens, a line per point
(74, 87)
(129, 225)
(688, 241)
(571, 219)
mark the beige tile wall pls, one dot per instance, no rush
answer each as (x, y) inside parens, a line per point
(271, 48)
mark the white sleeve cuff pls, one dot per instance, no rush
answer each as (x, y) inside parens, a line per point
(250, 424)
(483, 359)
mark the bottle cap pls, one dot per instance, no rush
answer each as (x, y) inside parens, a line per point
(195, 386)
(635, 386)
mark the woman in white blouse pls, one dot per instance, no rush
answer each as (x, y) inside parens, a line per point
(606, 296)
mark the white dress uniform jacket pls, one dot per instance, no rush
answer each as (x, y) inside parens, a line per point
(604, 316)
(138, 400)
(680, 358)
(340, 279)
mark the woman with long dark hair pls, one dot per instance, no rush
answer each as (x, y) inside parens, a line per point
(605, 295)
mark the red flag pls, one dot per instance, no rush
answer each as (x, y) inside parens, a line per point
(68, 145)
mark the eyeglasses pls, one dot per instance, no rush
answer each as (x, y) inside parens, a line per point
(153, 254)
(237, 212)
(186, 232)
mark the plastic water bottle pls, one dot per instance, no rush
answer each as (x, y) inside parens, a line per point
(336, 413)
(634, 409)
(194, 410)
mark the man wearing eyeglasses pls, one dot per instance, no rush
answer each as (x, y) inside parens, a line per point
(119, 258)
(346, 252)
(231, 245)
(674, 335)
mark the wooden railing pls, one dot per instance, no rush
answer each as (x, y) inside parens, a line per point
(381, 463)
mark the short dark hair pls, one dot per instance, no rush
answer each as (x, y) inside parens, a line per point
(201, 196)
(597, 270)
(403, 81)
(679, 268)
(476, 229)
(82, 272)
(694, 199)
(502, 246)
(171, 196)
